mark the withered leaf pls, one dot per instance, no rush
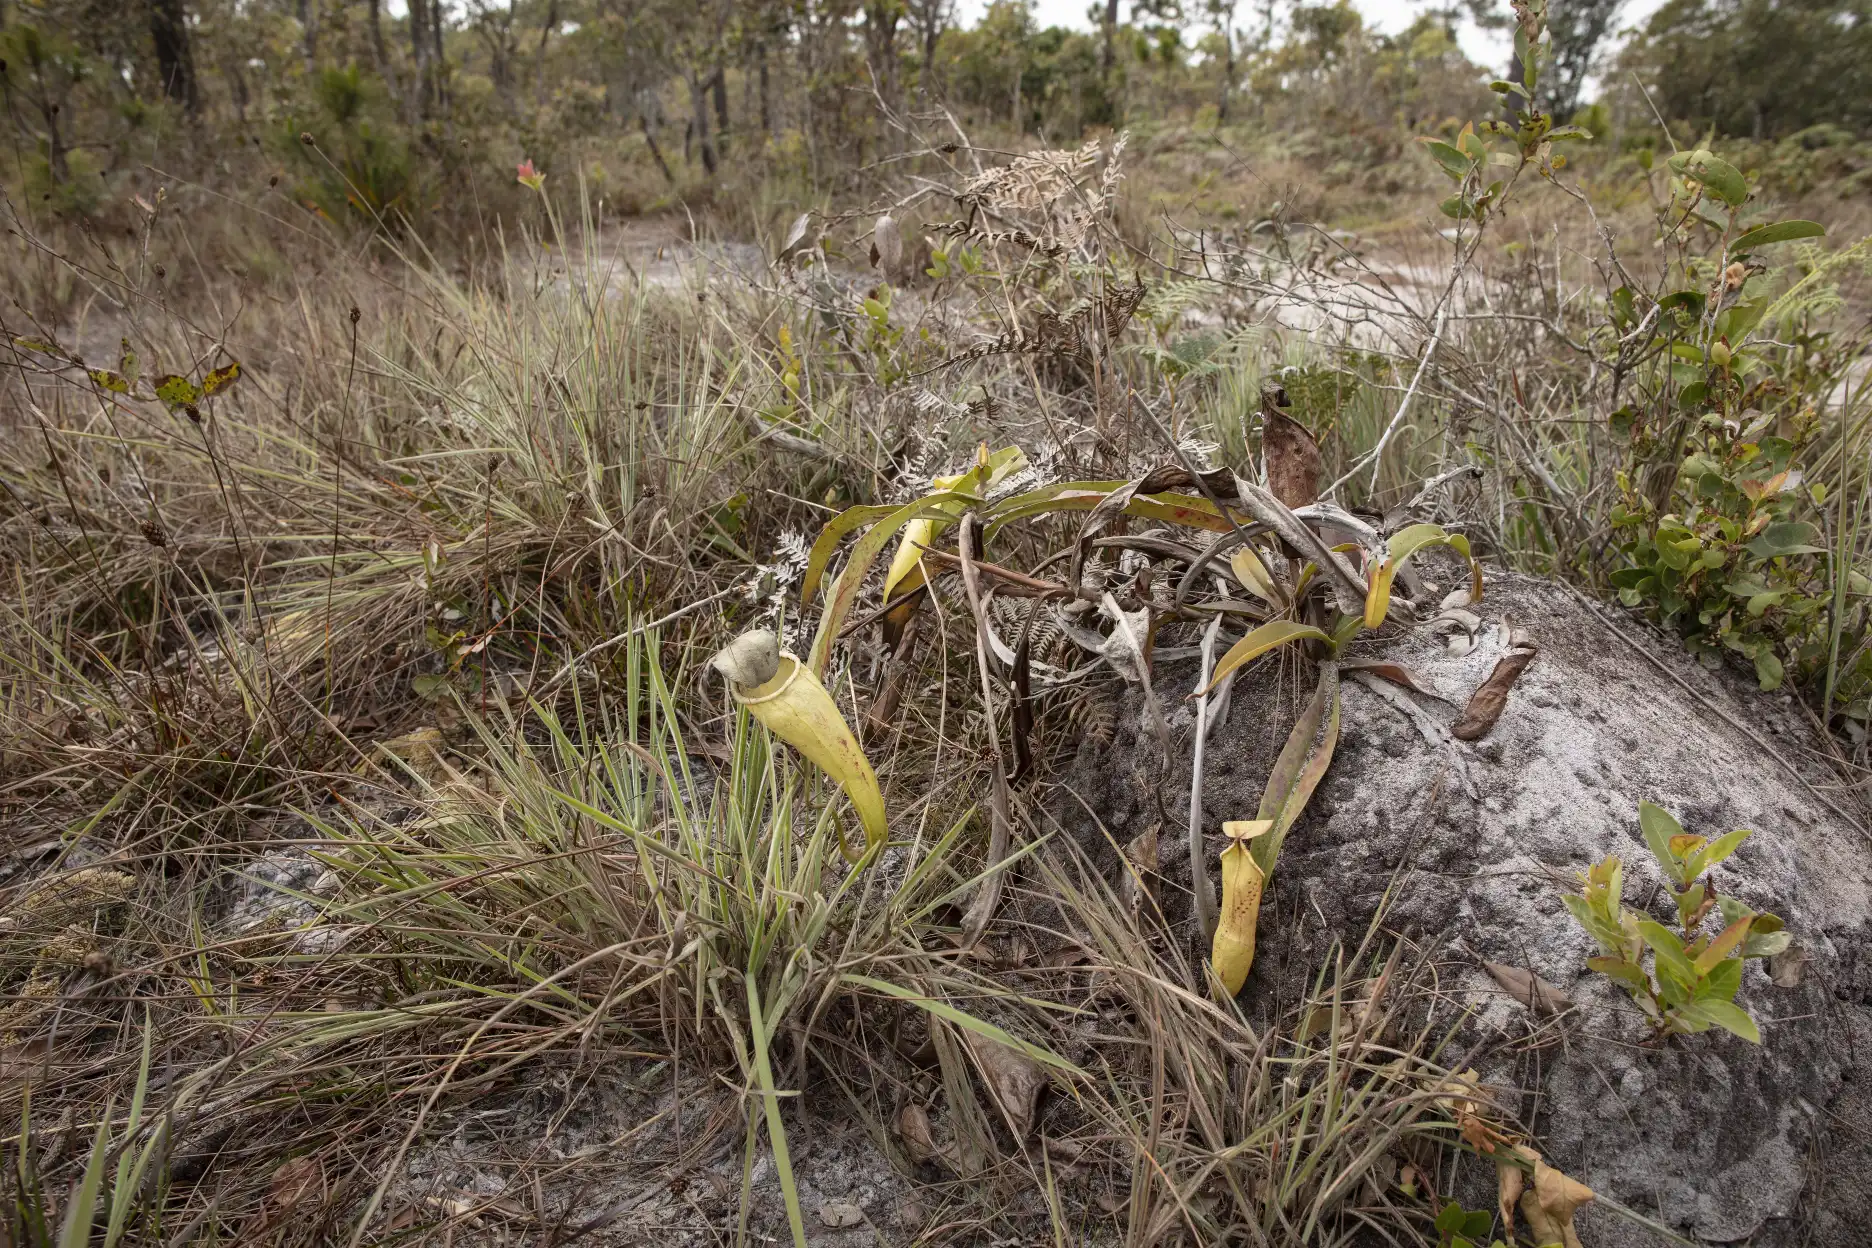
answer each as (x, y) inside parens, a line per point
(1550, 1205)
(919, 1140)
(1014, 1080)
(1528, 988)
(1293, 456)
(1396, 673)
(887, 248)
(1787, 968)
(1509, 1180)
(1137, 886)
(295, 1181)
(1487, 703)
(838, 1214)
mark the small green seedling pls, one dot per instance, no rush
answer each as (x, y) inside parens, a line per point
(1696, 977)
(1457, 1227)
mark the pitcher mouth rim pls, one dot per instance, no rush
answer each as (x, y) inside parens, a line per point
(786, 656)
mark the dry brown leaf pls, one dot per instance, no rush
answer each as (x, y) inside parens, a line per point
(1293, 456)
(295, 1181)
(839, 1214)
(1013, 1079)
(1396, 673)
(1137, 886)
(887, 248)
(1787, 968)
(1550, 1206)
(1528, 988)
(913, 1128)
(1509, 1180)
(1487, 703)
(1462, 1095)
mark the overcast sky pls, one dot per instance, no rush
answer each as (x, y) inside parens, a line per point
(1484, 47)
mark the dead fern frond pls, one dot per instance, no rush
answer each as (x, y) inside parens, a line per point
(1033, 181)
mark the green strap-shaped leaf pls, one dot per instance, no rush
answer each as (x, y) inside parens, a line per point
(1299, 769)
(844, 590)
(968, 1022)
(1779, 232)
(1403, 544)
(829, 538)
(1260, 641)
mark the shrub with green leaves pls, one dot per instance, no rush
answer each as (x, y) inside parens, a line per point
(1694, 979)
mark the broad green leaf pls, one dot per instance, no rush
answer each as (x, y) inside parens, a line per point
(1785, 537)
(1453, 161)
(1627, 973)
(1659, 826)
(1569, 134)
(1766, 944)
(176, 391)
(1450, 1221)
(105, 379)
(1727, 942)
(1779, 232)
(1690, 300)
(1669, 951)
(220, 379)
(1719, 849)
(1722, 982)
(1725, 1014)
(1260, 641)
(1719, 177)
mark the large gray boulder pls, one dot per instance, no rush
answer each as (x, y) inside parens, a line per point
(1721, 1140)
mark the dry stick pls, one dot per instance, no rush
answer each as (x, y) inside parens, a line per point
(1199, 860)
(1745, 730)
(988, 894)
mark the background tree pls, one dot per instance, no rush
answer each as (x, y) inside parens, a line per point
(1762, 68)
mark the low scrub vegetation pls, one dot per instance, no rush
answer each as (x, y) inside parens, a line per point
(457, 638)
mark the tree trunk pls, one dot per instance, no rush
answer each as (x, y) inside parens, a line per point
(438, 61)
(376, 37)
(766, 96)
(547, 28)
(423, 89)
(1228, 71)
(169, 31)
(309, 31)
(1111, 35)
(656, 153)
(698, 121)
(720, 86)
